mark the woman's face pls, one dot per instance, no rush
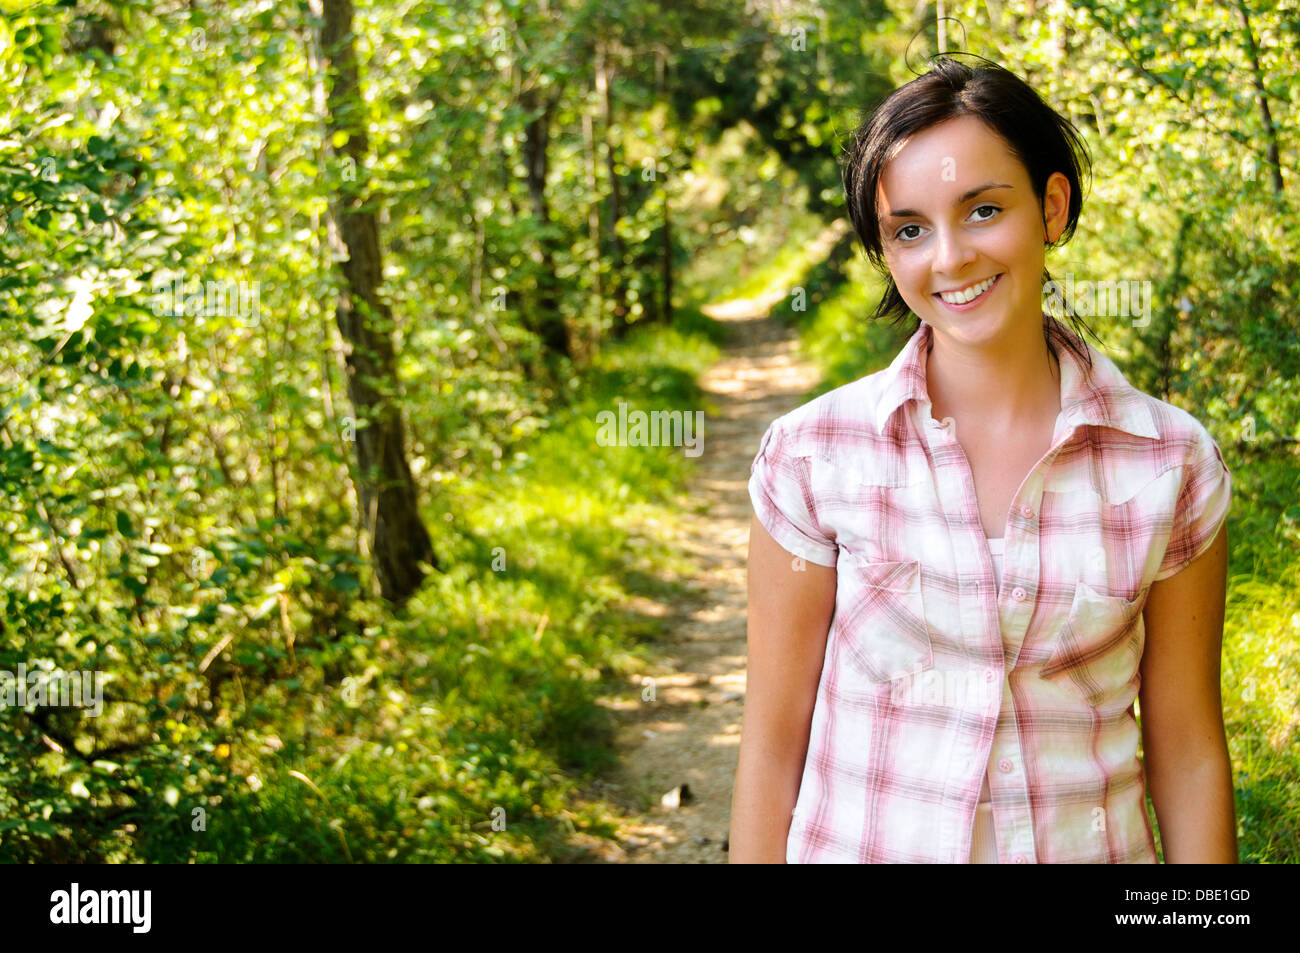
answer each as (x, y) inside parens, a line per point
(956, 210)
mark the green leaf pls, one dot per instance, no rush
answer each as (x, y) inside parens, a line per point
(345, 582)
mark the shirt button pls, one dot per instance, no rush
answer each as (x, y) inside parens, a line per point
(989, 674)
(1018, 859)
(1018, 594)
(1005, 765)
(1027, 511)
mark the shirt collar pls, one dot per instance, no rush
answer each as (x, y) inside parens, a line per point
(1103, 397)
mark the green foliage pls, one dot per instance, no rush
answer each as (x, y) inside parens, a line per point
(177, 437)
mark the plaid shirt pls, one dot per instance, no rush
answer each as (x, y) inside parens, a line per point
(933, 673)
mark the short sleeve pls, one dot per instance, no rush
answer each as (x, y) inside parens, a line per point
(1202, 506)
(779, 489)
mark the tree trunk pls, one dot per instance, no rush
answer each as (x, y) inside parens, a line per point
(618, 290)
(1257, 74)
(593, 231)
(548, 322)
(385, 487)
(666, 248)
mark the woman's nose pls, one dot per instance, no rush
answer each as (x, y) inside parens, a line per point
(952, 253)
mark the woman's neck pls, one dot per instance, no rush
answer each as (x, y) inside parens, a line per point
(997, 389)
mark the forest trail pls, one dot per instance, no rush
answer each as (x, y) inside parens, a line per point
(689, 733)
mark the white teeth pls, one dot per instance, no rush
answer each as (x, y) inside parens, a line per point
(970, 294)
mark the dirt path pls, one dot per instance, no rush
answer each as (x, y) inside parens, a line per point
(689, 733)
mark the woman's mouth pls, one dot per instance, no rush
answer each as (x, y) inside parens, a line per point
(961, 300)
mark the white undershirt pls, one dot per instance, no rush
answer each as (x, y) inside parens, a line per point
(995, 549)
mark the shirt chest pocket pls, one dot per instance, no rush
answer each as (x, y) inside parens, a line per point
(1100, 646)
(880, 617)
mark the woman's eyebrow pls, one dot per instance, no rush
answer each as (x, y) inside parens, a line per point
(965, 197)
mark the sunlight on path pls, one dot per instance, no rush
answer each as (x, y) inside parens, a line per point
(690, 733)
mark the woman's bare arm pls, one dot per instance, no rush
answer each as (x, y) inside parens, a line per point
(1189, 775)
(791, 602)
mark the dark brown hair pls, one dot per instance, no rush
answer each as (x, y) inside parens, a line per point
(1043, 140)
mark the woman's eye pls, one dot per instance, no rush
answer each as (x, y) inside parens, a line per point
(902, 234)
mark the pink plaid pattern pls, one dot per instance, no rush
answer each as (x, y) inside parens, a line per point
(932, 674)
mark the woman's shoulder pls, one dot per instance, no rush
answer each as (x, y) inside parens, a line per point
(1179, 430)
(1174, 429)
(1181, 442)
(831, 421)
(836, 434)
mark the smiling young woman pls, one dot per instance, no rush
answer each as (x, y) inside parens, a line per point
(965, 568)
(964, 238)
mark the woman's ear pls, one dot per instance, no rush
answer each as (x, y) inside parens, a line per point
(1056, 206)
